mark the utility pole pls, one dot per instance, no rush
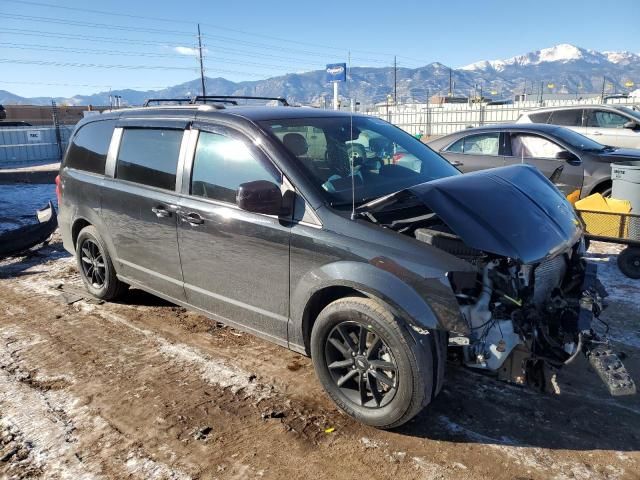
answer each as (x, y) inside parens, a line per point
(56, 124)
(395, 80)
(450, 83)
(204, 92)
(604, 82)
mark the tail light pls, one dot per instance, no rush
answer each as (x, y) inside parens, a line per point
(58, 189)
(396, 157)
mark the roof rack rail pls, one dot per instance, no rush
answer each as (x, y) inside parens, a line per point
(219, 100)
(160, 100)
(232, 98)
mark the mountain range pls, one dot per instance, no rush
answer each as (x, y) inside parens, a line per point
(562, 68)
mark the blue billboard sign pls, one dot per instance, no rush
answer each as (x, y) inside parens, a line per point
(337, 72)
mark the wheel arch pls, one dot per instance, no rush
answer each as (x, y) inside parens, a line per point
(356, 279)
(76, 228)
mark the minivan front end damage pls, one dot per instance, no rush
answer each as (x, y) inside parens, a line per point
(531, 305)
(527, 321)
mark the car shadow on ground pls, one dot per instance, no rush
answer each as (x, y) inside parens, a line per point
(137, 297)
(475, 408)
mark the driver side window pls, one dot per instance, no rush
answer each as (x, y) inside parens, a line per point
(222, 163)
(605, 119)
(533, 146)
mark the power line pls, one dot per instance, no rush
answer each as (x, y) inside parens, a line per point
(77, 23)
(62, 21)
(191, 22)
(99, 39)
(139, 87)
(126, 67)
(218, 59)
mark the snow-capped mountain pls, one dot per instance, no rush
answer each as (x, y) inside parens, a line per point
(568, 68)
(563, 53)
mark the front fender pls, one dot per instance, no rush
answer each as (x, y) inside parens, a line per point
(426, 303)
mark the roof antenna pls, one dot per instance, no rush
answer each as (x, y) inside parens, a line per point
(351, 157)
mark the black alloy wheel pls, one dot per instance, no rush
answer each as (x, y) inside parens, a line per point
(96, 267)
(361, 364)
(92, 261)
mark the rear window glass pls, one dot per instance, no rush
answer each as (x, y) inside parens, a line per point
(149, 156)
(481, 144)
(88, 149)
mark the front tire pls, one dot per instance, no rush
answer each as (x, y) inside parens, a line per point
(96, 267)
(370, 366)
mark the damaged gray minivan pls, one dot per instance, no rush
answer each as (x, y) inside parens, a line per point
(303, 227)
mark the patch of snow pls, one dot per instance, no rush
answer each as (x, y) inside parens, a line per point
(144, 467)
(623, 58)
(560, 53)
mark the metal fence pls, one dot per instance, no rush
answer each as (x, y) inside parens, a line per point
(22, 146)
(433, 120)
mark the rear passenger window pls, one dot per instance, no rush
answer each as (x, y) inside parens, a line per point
(481, 144)
(149, 156)
(567, 118)
(88, 149)
(222, 163)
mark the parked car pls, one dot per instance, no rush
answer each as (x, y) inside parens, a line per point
(614, 125)
(572, 161)
(226, 211)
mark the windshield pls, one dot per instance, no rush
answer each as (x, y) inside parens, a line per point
(385, 158)
(634, 113)
(578, 141)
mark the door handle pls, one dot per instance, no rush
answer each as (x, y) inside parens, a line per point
(161, 212)
(192, 218)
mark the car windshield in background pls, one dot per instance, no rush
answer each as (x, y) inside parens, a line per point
(630, 111)
(385, 158)
(576, 140)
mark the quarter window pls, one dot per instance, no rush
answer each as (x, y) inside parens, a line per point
(222, 163)
(149, 156)
(88, 150)
(482, 144)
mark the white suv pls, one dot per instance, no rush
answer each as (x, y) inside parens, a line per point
(618, 126)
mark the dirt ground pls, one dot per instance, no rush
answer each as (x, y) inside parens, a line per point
(146, 390)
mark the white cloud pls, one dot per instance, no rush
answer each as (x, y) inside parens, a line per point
(186, 51)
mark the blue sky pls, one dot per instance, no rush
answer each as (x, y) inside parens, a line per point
(53, 51)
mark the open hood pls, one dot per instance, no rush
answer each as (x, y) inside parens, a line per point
(510, 211)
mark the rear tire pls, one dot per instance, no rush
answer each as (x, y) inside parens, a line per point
(371, 366)
(96, 267)
(629, 262)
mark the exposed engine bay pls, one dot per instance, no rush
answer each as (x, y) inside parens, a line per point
(526, 320)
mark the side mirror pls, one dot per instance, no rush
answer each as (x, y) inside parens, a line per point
(569, 157)
(260, 196)
(630, 125)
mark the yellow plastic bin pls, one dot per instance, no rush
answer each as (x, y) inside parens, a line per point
(604, 217)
